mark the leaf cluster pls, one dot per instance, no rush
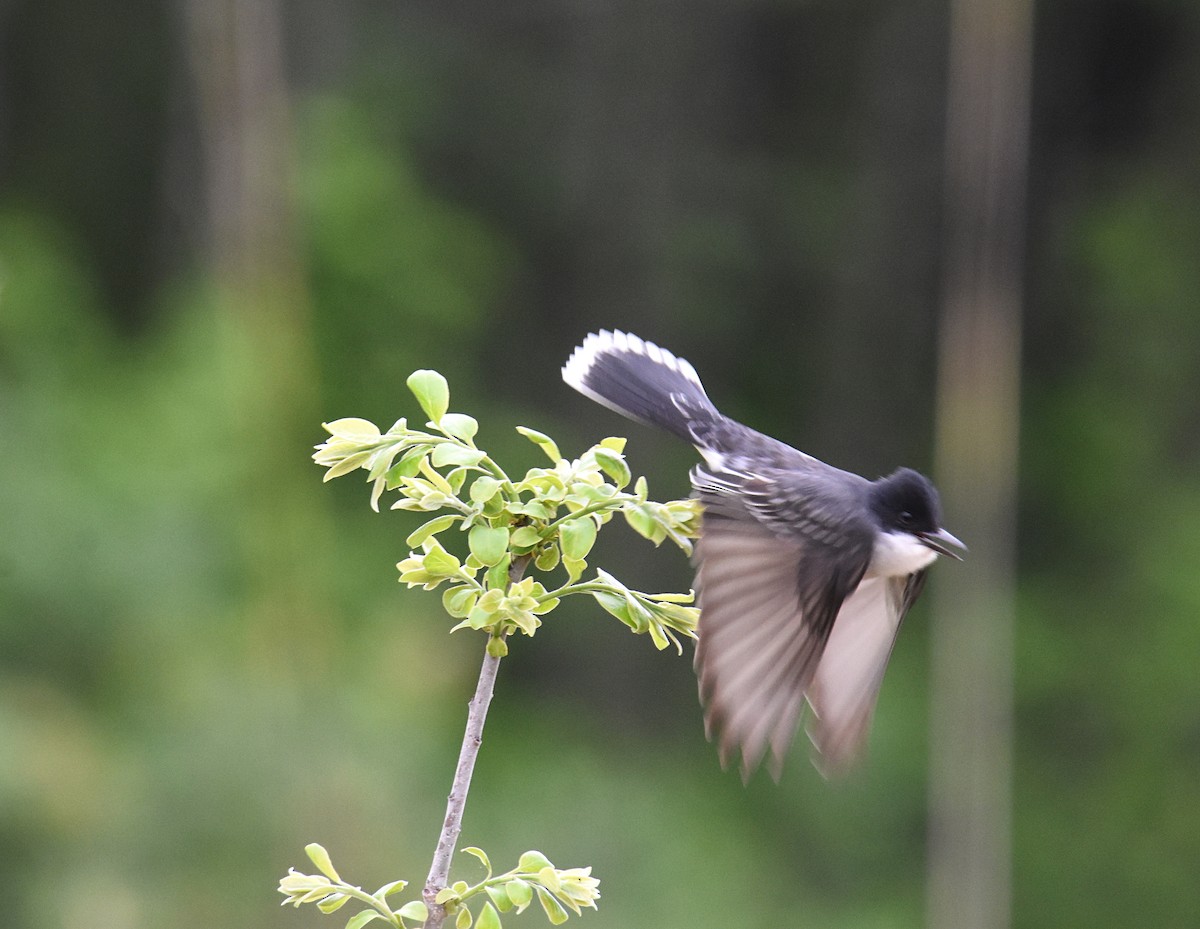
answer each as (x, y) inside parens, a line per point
(545, 520)
(556, 890)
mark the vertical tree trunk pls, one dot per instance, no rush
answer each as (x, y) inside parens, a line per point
(269, 375)
(977, 440)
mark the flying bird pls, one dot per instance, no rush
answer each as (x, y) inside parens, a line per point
(803, 571)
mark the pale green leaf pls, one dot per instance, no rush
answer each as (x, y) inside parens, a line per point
(488, 544)
(542, 441)
(439, 562)
(361, 431)
(361, 919)
(318, 856)
(488, 918)
(533, 861)
(463, 919)
(612, 464)
(333, 903)
(414, 910)
(499, 895)
(408, 465)
(519, 892)
(497, 575)
(644, 523)
(459, 425)
(577, 536)
(431, 391)
(525, 537)
(484, 488)
(431, 528)
(554, 910)
(547, 558)
(459, 601)
(390, 888)
(447, 453)
(346, 465)
(481, 855)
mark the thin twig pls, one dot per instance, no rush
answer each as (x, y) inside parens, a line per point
(439, 871)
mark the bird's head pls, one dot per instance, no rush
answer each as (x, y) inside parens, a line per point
(907, 502)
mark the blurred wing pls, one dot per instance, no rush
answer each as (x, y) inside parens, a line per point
(848, 677)
(767, 605)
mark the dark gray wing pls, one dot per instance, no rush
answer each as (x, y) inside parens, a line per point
(777, 557)
(847, 680)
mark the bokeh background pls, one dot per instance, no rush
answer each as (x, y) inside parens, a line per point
(222, 223)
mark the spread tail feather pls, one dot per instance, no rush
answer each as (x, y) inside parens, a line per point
(640, 380)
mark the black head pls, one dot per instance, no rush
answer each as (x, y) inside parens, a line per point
(906, 501)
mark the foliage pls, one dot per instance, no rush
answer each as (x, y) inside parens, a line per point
(534, 877)
(546, 521)
(549, 518)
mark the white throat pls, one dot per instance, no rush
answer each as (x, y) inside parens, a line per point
(898, 554)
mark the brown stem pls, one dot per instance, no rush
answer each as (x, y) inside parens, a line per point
(439, 871)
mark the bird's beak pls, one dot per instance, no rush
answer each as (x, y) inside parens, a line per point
(941, 541)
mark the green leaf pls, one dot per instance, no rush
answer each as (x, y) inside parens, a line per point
(534, 861)
(488, 918)
(361, 919)
(414, 910)
(497, 574)
(439, 562)
(612, 464)
(548, 878)
(554, 910)
(535, 508)
(459, 601)
(463, 919)
(574, 568)
(481, 855)
(577, 536)
(526, 537)
(381, 460)
(542, 441)
(499, 896)
(459, 425)
(445, 895)
(497, 647)
(377, 491)
(447, 453)
(361, 431)
(484, 488)
(614, 443)
(388, 889)
(547, 558)
(644, 523)
(431, 391)
(332, 903)
(519, 892)
(409, 464)
(431, 528)
(318, 856)
(478, 618)
(487, 544)
(346, 465)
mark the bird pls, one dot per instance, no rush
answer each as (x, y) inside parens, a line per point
(804, 572)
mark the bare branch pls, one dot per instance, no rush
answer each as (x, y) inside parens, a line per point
(439, 871)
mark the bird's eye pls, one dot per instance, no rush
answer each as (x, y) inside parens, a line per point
(906, 518)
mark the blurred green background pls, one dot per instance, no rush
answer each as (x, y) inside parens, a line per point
(222, 223)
